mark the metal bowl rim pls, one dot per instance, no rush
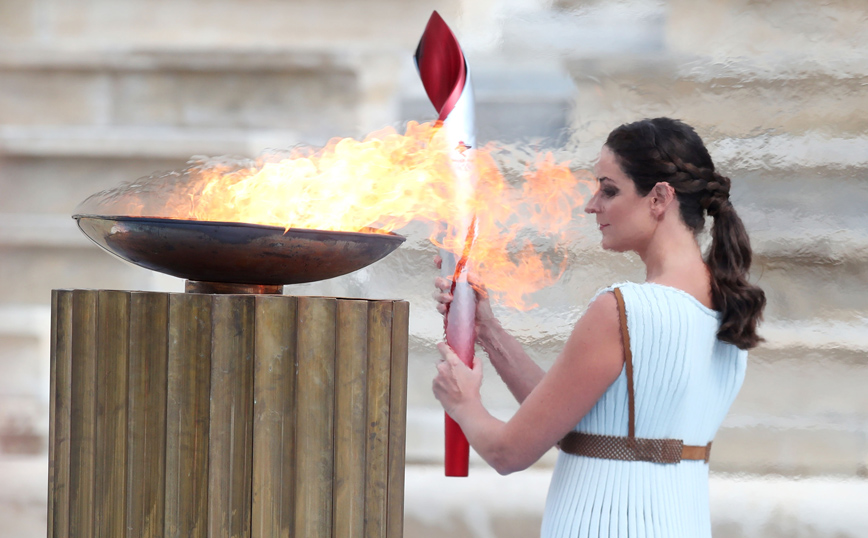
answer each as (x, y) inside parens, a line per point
(303, 231)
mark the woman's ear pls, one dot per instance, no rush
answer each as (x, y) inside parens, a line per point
(662, 196)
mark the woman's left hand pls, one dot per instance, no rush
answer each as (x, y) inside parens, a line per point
(456, 384)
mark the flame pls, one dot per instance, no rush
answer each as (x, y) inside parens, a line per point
(389, 179)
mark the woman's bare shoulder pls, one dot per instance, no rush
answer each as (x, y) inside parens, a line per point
(597, 334)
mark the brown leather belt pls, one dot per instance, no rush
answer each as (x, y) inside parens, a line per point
(631, 448)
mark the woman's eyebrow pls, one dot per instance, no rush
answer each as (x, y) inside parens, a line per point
(604, 178)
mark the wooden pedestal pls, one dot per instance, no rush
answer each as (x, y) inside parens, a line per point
(193, 415)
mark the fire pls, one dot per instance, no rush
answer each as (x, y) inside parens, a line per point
(386, 181)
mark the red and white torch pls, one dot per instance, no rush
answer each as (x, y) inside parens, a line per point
(444, 74)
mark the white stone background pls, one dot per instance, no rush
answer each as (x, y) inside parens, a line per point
(97, 92)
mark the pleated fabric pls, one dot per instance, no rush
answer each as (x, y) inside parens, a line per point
(685, 381)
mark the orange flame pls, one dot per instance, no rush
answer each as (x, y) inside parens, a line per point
(389, 179)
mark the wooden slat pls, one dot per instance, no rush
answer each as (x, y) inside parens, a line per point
(314, 417)
(146, 439)
(187, 408)
(61, 385)
(397, 419)
(111, 416)
(350, 417)
(274, 417)
(83, 398)
(52, 403)
(231, 428)
(379, 365)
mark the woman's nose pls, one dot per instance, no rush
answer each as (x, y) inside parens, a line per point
(591, 206)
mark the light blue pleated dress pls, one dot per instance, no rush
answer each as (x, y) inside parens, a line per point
(685, 380)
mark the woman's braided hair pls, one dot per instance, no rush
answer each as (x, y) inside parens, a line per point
(666, 150)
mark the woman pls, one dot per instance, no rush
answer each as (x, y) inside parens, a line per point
(640, 405)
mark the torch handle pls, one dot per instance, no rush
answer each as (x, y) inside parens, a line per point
(457, 450)
(460, 328)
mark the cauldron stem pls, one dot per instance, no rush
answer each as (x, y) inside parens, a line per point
(200, 286)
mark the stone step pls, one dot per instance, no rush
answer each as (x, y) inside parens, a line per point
(326, 23)
(742, 506)
(24, 386)
(317, 94)
(39, 253)
(727, 105)
(792, 447)
(486, 504)
(23, 495)
(111, 143)
(726, 69)
(25, 332)
(56, 185)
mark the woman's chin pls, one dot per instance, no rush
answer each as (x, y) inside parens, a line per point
(612, 246)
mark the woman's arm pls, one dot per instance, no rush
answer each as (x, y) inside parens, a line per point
(591, 360)
(517, 370)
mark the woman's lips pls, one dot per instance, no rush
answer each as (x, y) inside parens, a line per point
(603, 226)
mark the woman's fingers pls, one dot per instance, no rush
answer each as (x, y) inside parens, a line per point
(442, 283)
(445, 351)
(441, 295)
(450, 358)
(442, 299)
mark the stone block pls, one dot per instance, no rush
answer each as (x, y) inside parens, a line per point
(22, 362)
(811, 449)
(485, 504)
(802, 291)
(19, 20)
(242, 24)
(481, 505)
(607, 97)
(742, 506)
(320, 103)
(727, 66)
(750, 506)
(149, 98)
(774, 30)
(56, 185)
(23, 520)
(53, 97)
(819, 384)
(775, 196)
(23, 425)
(318, 94)
(23, 495)
(116, 144)
(27, 275)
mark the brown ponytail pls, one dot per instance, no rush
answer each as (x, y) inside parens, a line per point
(662, 149)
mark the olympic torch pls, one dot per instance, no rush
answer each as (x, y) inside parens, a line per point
(443, 70)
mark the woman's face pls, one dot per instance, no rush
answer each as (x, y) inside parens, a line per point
(624, 217)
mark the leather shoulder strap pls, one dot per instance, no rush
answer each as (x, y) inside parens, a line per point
(628, 359)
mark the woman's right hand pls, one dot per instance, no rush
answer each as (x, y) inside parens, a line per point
(443, 296)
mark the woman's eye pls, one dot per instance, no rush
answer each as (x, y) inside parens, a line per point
(609, 192)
